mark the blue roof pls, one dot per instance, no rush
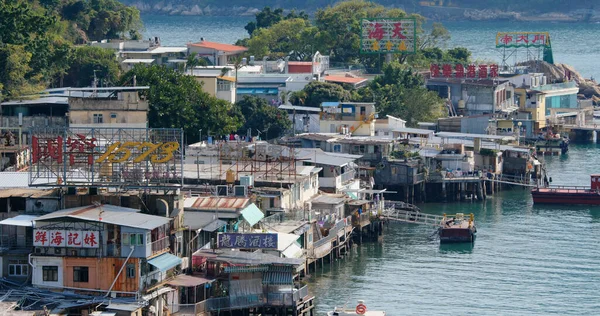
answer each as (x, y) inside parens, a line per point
(165, 261)
(328, 104)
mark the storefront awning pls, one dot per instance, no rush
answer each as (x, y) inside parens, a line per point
(252, 214)
(20, 220)
(165, 261)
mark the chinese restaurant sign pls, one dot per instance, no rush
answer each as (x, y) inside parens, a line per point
(66, 238)
(247, 241)
(388, 36)
(522, 39)
(463, 71)
(137, 157)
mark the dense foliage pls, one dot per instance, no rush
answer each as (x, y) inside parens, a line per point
(37, 39)
(261, 117)
(178, 101)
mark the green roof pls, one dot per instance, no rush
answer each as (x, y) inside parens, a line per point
(252, 214)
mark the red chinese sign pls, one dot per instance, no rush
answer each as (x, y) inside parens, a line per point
(460, 71)
(66, 238)
(106, 156)
(522, 39)
(388, 35)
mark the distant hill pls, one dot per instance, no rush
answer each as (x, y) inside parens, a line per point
(560, 10)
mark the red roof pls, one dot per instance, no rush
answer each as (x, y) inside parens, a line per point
(344, 79)
(218, 46)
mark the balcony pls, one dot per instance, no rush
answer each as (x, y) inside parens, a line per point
(337, 182)
(159, 246)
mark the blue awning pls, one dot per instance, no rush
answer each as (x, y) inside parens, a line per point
(252, 214)
(245, 91)
(165, 261)
(328, 104)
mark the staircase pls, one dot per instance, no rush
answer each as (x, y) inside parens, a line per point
(412, 216)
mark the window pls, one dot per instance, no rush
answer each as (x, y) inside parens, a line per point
(113, 115)
(18, 268)
(131, 271)
(50, 273)
(133, 239)
(98, 119)
(80, 274)
(337, 148)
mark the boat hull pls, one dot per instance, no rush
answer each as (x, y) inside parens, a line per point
(457, 235)
(549, 196)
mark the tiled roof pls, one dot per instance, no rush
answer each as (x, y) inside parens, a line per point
(344, 79)
(218, 46)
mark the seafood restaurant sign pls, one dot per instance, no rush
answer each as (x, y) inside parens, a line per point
(66, 238)
(106, 157)
(388, 35)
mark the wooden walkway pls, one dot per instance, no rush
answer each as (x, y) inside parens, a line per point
(412, 216)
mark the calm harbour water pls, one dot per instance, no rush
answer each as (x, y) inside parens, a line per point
(527, 259)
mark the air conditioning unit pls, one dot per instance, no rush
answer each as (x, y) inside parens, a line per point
(240, 190)
(247, 181)
(222, 190)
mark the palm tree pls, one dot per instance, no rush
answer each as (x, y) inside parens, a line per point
(237, 65)
(193, 60)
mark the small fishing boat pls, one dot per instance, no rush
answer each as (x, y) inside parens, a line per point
(361, 309)
(456, 229)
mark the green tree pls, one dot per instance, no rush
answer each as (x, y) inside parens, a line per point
(260, 116)
(317, 92)
(16, 77)
(267, 17)
(89, 60)
(177, 101)
(194, 61)
(401, 92)
(459, 55)
(292, 37)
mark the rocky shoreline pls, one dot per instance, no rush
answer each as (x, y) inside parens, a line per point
(167, 7)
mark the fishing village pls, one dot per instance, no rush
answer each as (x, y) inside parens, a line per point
(102, 213)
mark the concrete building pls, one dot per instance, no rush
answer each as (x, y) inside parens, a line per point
(214, 83)
(337, 171)
(120, 107)
(147, 52)
(475, 97)
(357, 119)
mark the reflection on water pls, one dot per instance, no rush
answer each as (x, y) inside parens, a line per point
(457, 248)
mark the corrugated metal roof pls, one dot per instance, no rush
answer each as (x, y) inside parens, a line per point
(329, 199)
(111, 214)
(165, 261)
(216, 224)
(319, 157)
(246, 258)
(197, 220)
(234, 269)
(20, 220)
(252, 214)
(216, 202)
(27, 193)
(293, 251)
(278, 278)
(137, 61)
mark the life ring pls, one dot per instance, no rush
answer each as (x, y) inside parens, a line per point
(361, 309)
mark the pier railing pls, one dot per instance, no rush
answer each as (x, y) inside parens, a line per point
(412, 216)
(245, 301)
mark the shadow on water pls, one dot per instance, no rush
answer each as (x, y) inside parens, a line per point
(460, 248)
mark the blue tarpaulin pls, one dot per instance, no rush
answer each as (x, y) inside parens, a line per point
(165, 261)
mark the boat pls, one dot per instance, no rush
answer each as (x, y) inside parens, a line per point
(361, 309)
(552, 144)
(569, 194)
(457, 229)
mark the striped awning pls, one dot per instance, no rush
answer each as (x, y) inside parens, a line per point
(278, 278)
(235, 269)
